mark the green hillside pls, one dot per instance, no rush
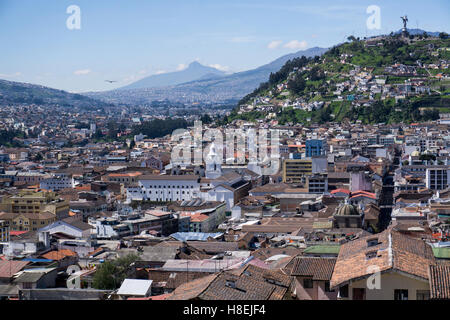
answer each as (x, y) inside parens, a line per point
(386, 79)
(28, 94)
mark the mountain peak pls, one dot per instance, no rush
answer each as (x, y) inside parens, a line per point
(195, 64)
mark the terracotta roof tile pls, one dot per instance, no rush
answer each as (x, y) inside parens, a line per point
(317, 268)
(440, 281)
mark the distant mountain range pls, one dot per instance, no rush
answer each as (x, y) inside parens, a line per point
(24, 93)
(195, 84)
(211, 86)
(195, 71)
(419, 31)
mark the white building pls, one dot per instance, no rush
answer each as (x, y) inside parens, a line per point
(57, 183)
(164, 188)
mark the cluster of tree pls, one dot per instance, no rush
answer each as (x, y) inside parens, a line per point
(110, 274)
(206, 119)
(7, 138)
(381, 112)
(288, 67)
(297, 85)
(159, 128)
(291, 115)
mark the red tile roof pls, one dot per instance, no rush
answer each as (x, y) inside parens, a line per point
(59, 254)
(9, 268)
(440, 282)
(340, 190)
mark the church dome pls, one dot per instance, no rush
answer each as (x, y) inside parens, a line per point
(346, 210)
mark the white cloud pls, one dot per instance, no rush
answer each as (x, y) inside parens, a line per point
(181, 67)
(219, 67)
(161, 71)
(82, 72)
(295, 44)
(274, 44)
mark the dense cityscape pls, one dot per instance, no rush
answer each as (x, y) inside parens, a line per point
(350, 201)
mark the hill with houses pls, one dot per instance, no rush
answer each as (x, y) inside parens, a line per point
(385, 79)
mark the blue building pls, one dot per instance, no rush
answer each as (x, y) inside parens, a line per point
(316, 147)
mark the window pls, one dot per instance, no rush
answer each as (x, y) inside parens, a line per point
(343, 291)
(423, 295)
(28, 285)
(347, 222)
(359, 294)
(400, 294)
(327, 287)
(371, 255)
(307, 283)
(372, 242)
(230, 284)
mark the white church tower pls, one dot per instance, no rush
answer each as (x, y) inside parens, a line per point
(213, 163)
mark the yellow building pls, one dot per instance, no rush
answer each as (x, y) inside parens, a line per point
(27, 221)
(35, 202)
(294, 170)
(4, 231)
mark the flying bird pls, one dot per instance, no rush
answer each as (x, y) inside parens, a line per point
(110, 81)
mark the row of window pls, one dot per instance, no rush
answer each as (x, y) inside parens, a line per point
(168, 187)
(399, 294)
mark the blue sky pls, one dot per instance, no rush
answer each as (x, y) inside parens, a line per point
(126, 40)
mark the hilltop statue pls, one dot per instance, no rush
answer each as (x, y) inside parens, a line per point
(405, 21)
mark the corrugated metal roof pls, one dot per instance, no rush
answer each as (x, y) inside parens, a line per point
(135, 287)
(194, 236)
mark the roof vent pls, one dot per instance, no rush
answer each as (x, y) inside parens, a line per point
(371, 254)
(372, 242)
(230, 284)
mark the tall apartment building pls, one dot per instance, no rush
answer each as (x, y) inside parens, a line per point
(437, 177)
(296, 169)
(4, 231)
(315, 147)
(35, 203)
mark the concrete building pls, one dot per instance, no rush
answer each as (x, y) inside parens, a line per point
(401, 261)
(437, 177)
(35, 202)
(164, 188)
(4, 231)
(57, 183)
(315, 147)
(294, 170)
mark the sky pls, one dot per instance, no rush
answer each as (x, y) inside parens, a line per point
(126, 40)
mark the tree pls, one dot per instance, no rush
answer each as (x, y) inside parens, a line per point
(443, 35)
(206, 119)
(297, 85)
(98, 134)
(351, 38)
(110, 274)
(38, 157)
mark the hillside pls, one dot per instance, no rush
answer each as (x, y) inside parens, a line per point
(209, 89)
(24, 93)
(382, 79)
